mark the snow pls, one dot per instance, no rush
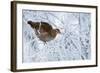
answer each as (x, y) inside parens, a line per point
(72, 44)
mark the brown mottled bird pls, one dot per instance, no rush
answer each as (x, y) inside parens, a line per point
(44, 30)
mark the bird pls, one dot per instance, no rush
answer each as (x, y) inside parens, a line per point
(44, 31)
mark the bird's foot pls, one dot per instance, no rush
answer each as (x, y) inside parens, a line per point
(45, 43)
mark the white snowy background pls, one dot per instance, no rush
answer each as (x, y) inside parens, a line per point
(72, 44)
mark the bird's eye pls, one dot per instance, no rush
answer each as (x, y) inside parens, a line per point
(57, 30)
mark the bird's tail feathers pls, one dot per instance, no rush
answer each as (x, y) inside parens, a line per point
(33, 24)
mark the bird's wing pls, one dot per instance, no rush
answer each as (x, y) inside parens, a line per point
(46, 26)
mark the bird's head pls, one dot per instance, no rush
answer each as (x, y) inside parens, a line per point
(54, 32)
(57, 31)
